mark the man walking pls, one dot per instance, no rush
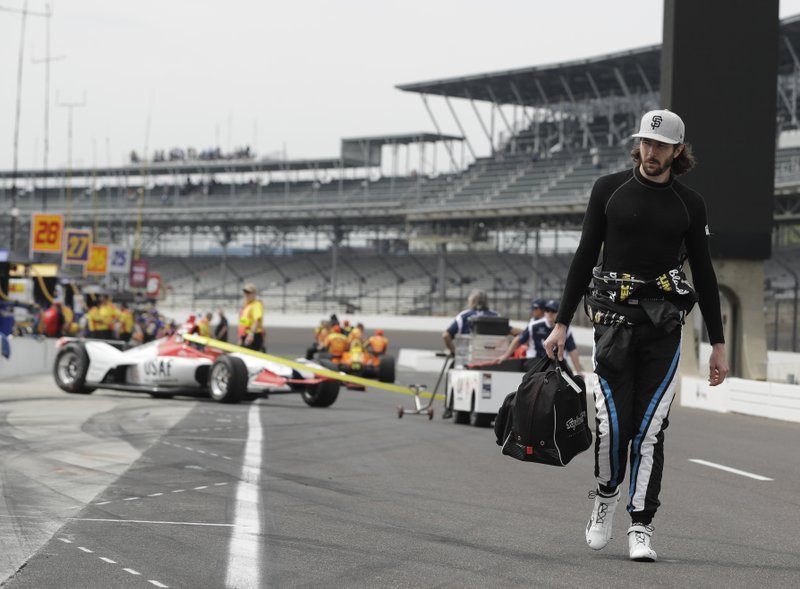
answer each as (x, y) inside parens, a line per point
(647, 223)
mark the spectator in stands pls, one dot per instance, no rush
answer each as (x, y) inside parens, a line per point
(639, 299)
(596, 163)
(251, 320)
(221, 329)
(537, 331)
(477, 306)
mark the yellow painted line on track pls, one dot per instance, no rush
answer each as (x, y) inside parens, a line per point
(341, 376)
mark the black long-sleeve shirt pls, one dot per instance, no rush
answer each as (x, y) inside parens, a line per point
(641, 225)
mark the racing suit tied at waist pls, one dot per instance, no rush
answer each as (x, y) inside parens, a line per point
(620, 301)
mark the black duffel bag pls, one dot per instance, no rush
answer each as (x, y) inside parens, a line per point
(545, 420)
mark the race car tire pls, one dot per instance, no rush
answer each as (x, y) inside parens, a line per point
(330, 365)
(322, 394)
(70, 368)
(162, 395)
(386, 369)
(227, 380)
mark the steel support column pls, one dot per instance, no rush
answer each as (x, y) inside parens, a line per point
(460, 128)
(436, 126)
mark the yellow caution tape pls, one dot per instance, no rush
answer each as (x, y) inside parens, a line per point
(367, 382)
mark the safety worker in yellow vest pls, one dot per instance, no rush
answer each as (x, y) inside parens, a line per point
(336, 343)
(251, 320)
(377, 344)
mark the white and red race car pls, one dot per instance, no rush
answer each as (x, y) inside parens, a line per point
(171, 366)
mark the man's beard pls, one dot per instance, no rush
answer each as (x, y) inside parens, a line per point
(659, 169)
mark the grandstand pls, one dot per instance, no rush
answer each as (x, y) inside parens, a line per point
(341, 233)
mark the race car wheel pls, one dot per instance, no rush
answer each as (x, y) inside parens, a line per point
(386, 369)
(70, 368)
(322, 394)
(227, 380)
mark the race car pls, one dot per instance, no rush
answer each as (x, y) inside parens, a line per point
(171, 366)
(359, 362)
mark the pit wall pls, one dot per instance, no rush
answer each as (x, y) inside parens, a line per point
(28, 356)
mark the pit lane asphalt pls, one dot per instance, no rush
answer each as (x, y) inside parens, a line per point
(121, 490)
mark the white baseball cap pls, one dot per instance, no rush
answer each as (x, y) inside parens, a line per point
(661, 125)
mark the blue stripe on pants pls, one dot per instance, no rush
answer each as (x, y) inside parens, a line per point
(636, 447)
(614, 427)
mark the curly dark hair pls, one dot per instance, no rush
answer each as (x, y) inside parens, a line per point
(680, 165)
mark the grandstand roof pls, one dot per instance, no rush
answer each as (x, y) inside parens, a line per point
(614, 74)
(558, 82)
(403, 138)
(193, 167)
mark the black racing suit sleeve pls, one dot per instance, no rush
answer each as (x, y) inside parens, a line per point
(703, 275)
(592, 235)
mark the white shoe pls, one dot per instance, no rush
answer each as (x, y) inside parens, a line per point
(639, 543)
(598, 530)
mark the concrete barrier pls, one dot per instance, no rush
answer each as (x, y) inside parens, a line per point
(29, 355)
(749, 397)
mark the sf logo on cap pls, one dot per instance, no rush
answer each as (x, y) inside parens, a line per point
(656, 122)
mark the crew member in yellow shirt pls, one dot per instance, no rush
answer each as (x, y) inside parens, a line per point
(108, 317)
(204, 325)
(125, 322)
(251, 321)
(336, 343)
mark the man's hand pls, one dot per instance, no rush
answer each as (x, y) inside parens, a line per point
(556, 339)
(717, 365)
(248, 339)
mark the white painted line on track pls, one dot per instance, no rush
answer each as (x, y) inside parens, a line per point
(147, 521)
(244, 550)
(743, 473)
(110, 561)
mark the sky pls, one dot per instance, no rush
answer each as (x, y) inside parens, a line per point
(288, 75)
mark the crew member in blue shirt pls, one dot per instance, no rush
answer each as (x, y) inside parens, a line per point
(537, 331)
(477, 306)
